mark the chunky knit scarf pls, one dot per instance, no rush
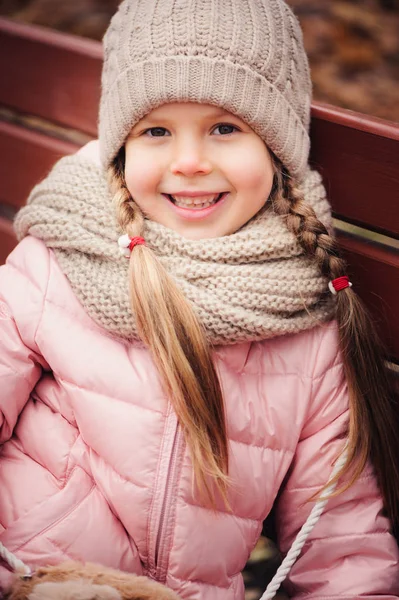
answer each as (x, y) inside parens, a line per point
(251, 285)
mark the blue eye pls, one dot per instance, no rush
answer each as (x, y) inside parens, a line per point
(156, 132)
(225, 129)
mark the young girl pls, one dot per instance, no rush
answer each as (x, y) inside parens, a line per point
(156, 403)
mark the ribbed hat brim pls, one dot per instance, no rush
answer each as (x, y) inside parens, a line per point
(144, 86)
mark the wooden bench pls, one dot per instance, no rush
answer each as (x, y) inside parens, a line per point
(48, 108)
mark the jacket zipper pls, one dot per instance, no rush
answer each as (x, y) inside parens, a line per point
(158, 568)
(160, 548)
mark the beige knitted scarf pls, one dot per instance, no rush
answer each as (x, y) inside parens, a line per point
(251, 285)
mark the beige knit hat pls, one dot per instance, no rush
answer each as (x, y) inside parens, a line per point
(244, 55)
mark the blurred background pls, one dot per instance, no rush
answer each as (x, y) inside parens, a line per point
(353, 45)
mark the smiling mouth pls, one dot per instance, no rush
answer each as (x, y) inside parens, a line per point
(196, 203)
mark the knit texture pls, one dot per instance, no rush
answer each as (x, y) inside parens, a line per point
(250, 285)
(244, 55)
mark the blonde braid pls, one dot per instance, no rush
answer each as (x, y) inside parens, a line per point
(176, 339)
(373, 418)
(301, 219)
(129, 215)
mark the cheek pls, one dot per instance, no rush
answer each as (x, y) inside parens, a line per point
(140, 175)
(254, 171)
(256, 178)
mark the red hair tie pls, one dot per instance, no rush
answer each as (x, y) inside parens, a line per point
(127, 243)
(338, 284)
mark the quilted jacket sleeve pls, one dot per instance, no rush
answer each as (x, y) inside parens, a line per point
(350, 553)
(23, 281)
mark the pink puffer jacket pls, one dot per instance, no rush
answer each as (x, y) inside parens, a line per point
(93, 464)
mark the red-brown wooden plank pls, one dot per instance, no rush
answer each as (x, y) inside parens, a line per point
(374, 272)
(26, 157)
(50, 74)
(7, 239)
(57, 76)
(359, 159)
(355, 120)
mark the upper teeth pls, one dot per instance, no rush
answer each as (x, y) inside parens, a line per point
(198, 201)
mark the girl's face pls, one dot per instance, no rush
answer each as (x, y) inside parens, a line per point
(197, 169)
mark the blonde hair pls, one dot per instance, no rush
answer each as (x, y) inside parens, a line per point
(176, 339)
(373, 421)
(168, 325)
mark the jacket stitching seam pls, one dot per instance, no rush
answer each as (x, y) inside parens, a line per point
(59, 547)
(315, 361)
(309, 417)
(68, 474)
(62, 480)
(222, 512)
(60, 488)
(336, 365)
(363, 478)
(109, 465)
(200, 581)
(297, 374)
(344, 536)
(91, 391)
(262, 447)
(57, 521)
(340, 597)
(24, 377)
(16, 268)
(44, 299)
(337, 417)
(91, 325)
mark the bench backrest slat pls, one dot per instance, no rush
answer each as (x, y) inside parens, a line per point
(374, 272)
(361, 159)
(7, 236)
(26, 157)
(51, 75)
(346, 145)
(56, 77)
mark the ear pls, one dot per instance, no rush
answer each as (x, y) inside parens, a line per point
(82, 589)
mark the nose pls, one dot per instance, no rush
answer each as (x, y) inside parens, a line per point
(190, 158)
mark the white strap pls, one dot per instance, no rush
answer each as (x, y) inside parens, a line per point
(303, 534)
(285, 567)
(16, 565)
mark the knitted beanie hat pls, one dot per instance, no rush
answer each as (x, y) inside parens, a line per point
(246, 56)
